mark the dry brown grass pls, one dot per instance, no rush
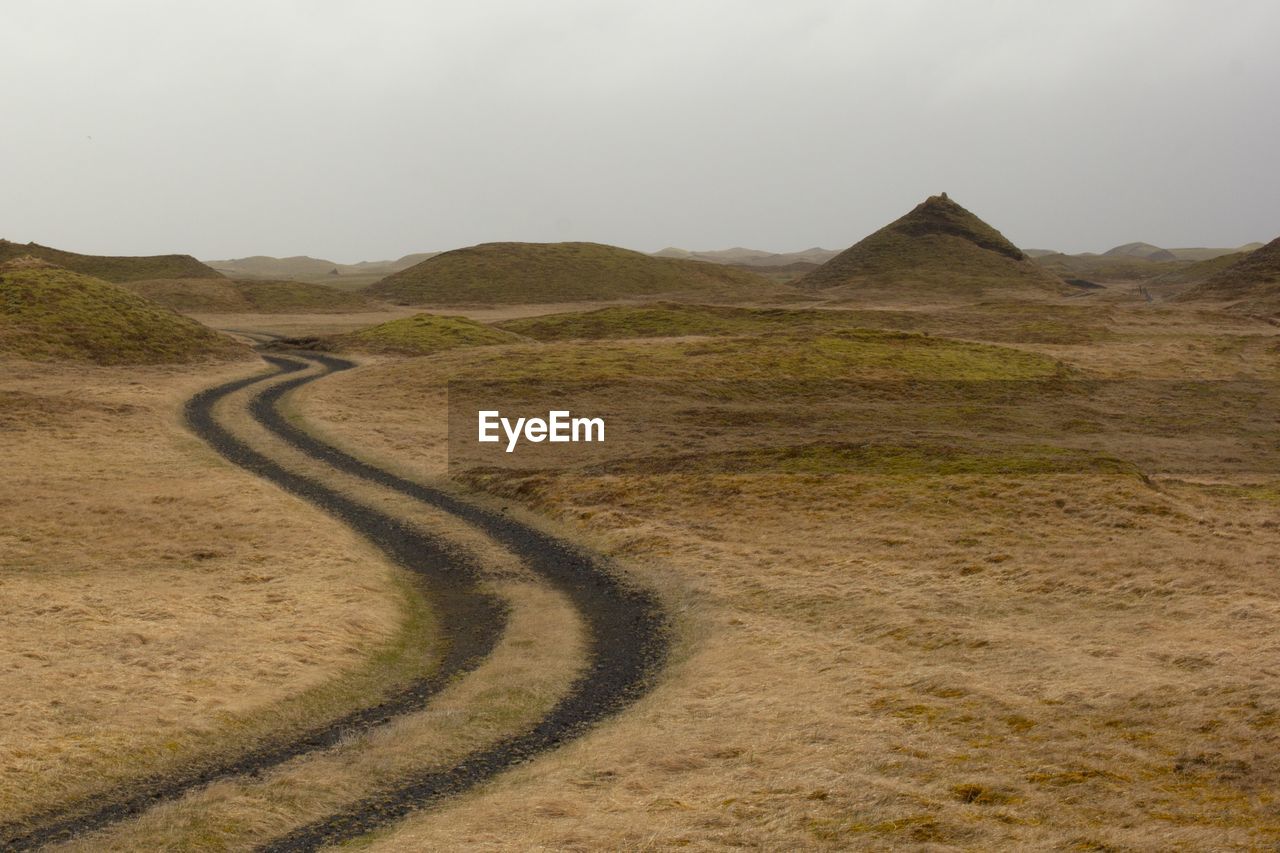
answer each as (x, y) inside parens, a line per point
(875, 659)
(536, 659)
(1092, 673)
(157, 605)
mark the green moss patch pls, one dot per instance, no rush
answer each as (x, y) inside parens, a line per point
(422, 334)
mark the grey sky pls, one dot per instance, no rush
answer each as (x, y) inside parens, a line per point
(360, 130)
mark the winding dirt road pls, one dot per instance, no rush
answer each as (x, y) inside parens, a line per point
(626, 631)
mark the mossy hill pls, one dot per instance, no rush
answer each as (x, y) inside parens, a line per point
(938, 250)
(513, 273)
(48, 313)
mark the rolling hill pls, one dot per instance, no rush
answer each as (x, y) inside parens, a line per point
(233, 296)
(939, 249)
(50, 313)
(562, 272)
(110, 268)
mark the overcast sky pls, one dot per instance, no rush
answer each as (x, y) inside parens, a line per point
(371, 129)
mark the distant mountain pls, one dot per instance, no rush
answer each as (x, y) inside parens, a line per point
(1155, 253)
(303, 267)
(939, 249)
(740, 257)
(264, 266)
(1106, 268)
(1143, 262)
(1140, 250)
(388, 267)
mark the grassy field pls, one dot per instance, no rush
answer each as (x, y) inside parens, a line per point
(516, 273)
(49, 313)
(664, 320)
(901, 642)
(926, 592)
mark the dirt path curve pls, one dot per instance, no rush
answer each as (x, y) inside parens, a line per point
(626, 631)
(626, 634)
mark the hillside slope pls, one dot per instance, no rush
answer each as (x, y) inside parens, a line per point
(1202, 253)
(939, 249)
(50, 313)
(561, 272)
(1200, 271)
(111, 268)
(1252, 283)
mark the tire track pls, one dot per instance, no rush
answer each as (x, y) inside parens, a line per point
(470, 622)
(627, 636)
